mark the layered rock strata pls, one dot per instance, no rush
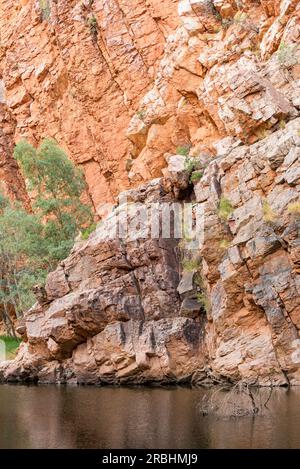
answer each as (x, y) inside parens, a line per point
(120, 83)
(142, 310)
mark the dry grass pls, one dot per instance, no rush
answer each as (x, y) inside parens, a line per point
(269, 215)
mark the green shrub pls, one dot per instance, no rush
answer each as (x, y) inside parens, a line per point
(93, 25)
(141, 114)
(196, 176)
(225, 209)
(88, 231)
(189, 164)
(282, 124)
(203, 299)
(45, 9)
(11, 346)
(190, 265)
(215, 12)
(183, 150)
(286, 54)
(269, 215)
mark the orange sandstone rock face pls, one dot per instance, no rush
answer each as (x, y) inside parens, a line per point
(127, 310)
(12, 183)
(76, 70)
(121, 83)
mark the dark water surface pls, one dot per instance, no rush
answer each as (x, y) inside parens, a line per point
(86, 417)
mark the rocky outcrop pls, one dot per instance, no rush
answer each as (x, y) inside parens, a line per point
(123, 310)
(110, 313)
(251, 257)
(76, 70)
(123, 86)
(120, 83)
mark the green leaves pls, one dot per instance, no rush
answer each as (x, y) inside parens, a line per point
(58, 185)
(183, 150)
(48, 169)
(21, 256)
(32, 244)
(225, 208)
(11, 345)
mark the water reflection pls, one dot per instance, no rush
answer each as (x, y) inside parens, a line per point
(86, 417)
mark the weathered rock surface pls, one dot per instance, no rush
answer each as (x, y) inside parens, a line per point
(76, 70)
(111, 312)
(123, 86)
(253, 283)
(119, 84)
(12, 183)
(132, 311)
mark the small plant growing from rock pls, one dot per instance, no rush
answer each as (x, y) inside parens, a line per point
(203, 300)
(286, 54)
(183, 150)
(240, 17)
(45, 9)
(190, 265)
(141, 114)
(254, 48)
(12, 344)
(224, 244)
(282, 124)
(189, 164)
(225, 209)
(86, 233)
(198, 280)
(269, 215)
(196, 176)
(215, 12)
(294, 209)
(93, 25)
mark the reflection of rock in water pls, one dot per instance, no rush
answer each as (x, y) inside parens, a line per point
(220, 85)
(91, 417)
(60, 417)
(241, 400)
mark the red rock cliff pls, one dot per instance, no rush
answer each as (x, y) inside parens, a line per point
(120, 83)
(77, 70)
(123, 85)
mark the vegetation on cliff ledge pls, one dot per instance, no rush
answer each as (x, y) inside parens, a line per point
(11, 345)
(32, 244)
